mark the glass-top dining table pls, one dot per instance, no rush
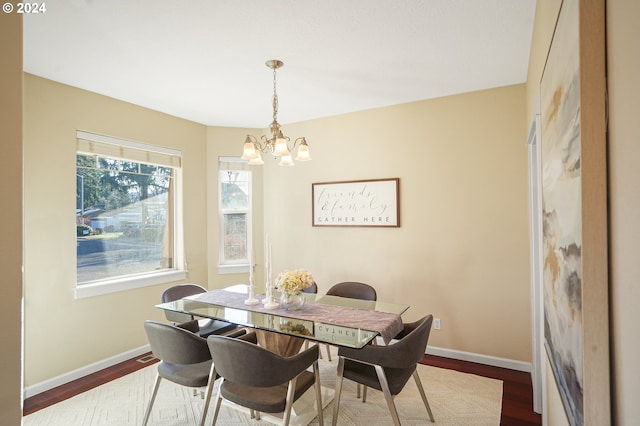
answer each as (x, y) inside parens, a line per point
(335, 320)
(338, 321)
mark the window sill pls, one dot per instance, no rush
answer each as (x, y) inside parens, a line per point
(129, 283)
(233, 269)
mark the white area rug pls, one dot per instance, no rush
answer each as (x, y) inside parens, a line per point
(455, 398)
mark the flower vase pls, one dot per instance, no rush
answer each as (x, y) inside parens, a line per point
(292, 301)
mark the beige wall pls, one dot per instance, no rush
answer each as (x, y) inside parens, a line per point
(11, 223)
(63, 333)
(462, 250)
(624, 175)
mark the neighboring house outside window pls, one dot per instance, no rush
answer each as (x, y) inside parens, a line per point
(126, 215)
(234, 188)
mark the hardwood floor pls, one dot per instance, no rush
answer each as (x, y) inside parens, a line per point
(83, 384)
(517, 397)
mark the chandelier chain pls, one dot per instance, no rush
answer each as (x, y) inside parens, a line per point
(275, 98)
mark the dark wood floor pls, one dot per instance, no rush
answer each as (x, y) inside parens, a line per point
(517, 397)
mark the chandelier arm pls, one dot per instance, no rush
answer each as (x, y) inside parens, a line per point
(264, 146)
(298, 141)
(293, 146)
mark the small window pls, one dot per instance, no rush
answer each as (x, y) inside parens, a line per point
(234, 187)
(126, 214)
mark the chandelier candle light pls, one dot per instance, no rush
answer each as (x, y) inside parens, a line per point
(278, 144)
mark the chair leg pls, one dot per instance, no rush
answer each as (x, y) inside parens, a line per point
(338, 391)
(328, 352)
(364, 390)
(416, 377)
(218, 403)
(387, 395)
(286, 417)
(208, 392)
(156, 384)
(316, 373)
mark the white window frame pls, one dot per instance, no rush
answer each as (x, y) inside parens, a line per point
(242, 267)
(177, 273)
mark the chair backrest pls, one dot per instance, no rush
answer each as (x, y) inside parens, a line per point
(353, 290)
(175, 345)
(245, 363)
(181, 290)
(313, 288)
(401, 355)
(178, 292)
(411, 346)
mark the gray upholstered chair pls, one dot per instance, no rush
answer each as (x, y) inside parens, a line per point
(352, 290)
(386, 368)
(261, 380)
(313, 288)
(184, 357)
(206, 326)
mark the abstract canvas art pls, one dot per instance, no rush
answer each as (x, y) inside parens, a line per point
(568, 288)
(562, 226)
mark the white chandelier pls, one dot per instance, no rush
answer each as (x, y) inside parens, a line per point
(278, 144)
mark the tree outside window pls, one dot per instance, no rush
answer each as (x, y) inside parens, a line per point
(124, 213)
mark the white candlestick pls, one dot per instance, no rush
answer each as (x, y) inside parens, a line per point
(269, 303)
(251, 300)
(267, 277)
(270, 264)
(250, 257)
(266, 258)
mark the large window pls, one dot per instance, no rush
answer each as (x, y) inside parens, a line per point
(126, 214)
(234, 187)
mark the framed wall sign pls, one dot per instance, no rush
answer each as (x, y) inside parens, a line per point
(371, 203)
(574, 210)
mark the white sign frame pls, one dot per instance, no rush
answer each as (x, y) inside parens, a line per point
(365, 203)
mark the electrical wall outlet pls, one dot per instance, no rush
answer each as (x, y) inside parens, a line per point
(436, 324)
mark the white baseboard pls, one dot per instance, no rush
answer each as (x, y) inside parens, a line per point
(480, 359)
(473, 357)
(83, 371)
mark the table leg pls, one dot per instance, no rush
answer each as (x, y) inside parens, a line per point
(281, 344)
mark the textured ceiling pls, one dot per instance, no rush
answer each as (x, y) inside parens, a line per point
(203, 60)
